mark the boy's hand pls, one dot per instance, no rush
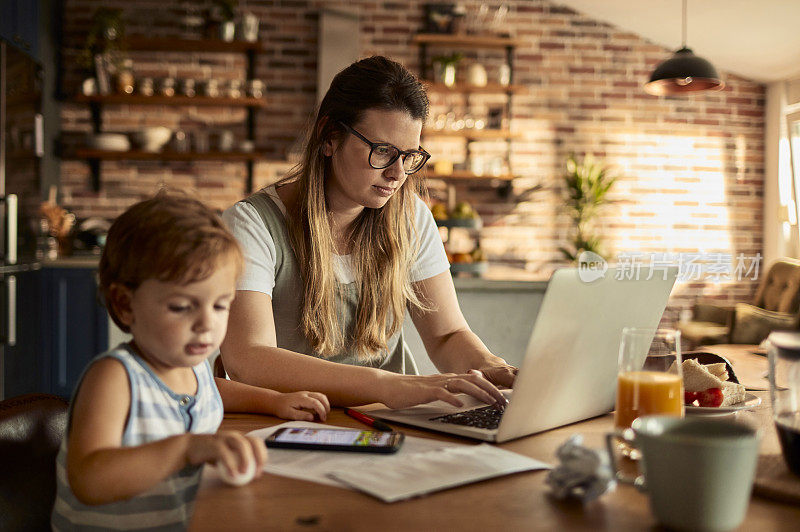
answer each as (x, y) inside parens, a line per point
(230, 448)
(301, 406)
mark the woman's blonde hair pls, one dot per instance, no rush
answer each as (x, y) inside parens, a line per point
(384, 240)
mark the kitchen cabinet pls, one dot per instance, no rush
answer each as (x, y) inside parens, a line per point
(74, 325)
(133, 44)
(23, 363)
(19, 25)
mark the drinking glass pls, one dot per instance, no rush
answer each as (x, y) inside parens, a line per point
(784, 387)
(649, 381)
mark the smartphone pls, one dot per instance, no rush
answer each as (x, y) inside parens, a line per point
(353, 440)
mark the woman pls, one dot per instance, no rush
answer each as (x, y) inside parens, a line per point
(340, 248)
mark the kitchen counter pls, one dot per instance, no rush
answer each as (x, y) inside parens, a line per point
(75, 261)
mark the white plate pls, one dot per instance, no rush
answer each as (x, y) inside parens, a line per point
(750, 401)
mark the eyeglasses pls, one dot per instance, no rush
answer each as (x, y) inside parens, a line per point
(383, 155)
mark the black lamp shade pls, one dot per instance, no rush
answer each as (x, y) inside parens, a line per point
(684, 72)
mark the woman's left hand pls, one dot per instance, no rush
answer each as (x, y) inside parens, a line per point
(500, 375)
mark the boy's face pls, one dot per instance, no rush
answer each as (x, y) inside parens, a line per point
(177, 325)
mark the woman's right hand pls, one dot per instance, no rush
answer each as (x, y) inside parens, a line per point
(236, 451)
(406, 391)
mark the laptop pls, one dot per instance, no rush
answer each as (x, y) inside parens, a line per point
(569, 370)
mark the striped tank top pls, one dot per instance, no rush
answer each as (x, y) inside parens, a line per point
(156, 413)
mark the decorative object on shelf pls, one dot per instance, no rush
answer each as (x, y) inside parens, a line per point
(101, 74)
(494, 118)
(247, 146)
(586, 187)
(227, 12)
(105, 38)
(109, 142)
(145, 86)
(123, 79)
(167, 87)
(235, 88)
(180, 142)
(504, 75)
(249, 27)
(444, 68)
(59, 223)
(255, 88)
(440, 17)
(211, 88)
(476, 75)
(200, 141)
(225, 140)
(188, 87)
(684, 71)
(152, 139)
(89, 87)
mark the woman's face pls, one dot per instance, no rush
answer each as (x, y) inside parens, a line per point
(353, 183)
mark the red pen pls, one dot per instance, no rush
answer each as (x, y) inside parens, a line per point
(374, 423)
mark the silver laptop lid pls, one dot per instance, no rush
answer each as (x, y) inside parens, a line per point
(569, 370)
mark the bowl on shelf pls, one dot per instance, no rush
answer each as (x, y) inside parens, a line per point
(475, 269)
(151, 139)
(109, 142)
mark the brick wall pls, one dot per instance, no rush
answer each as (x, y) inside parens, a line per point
(691, 168)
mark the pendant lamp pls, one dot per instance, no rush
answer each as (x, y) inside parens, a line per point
(684, 72)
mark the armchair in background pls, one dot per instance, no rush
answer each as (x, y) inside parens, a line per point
(31, 428)
(776, 306)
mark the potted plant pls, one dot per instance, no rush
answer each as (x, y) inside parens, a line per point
(444, 67)
(586, 187)
(226, 10)
(104, 50)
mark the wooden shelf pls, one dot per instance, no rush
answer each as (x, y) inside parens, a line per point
(86, 153)
(491, 88)
(473, 134)
(138, 99)
(464, 41)
(463, 174)
(166, 44)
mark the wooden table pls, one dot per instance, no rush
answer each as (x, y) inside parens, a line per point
(516, 502)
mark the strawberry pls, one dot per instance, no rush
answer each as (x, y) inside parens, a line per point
(712, 397)
(689, 397)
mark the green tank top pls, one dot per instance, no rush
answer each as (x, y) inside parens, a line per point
(287, 298)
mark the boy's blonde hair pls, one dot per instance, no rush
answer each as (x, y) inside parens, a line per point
(170, 238)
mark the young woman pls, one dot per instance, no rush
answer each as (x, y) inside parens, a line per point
(340, 248)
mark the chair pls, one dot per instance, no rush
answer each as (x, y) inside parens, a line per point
(776, 306)
(31, 428)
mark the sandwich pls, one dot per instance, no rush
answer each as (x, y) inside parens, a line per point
(708, 385)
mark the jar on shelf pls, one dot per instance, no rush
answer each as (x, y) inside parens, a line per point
(167, 87)
(145, 86)
(188, 87)
(235, 88)
(123, 80)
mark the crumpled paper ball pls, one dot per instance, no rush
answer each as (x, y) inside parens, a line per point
(582, 473)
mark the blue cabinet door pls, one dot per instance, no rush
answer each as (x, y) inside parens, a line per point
(75, 325)
(24, 362)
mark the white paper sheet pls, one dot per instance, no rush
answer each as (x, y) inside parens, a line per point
(315, 465)
(420, 466)
(404, 477)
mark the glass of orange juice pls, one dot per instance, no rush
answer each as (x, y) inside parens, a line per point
(649, 381)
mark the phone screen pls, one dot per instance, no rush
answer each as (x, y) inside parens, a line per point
(362, 438)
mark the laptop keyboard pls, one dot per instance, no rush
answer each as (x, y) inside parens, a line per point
(486, 417)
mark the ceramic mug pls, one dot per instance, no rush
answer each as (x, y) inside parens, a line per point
(698, 472)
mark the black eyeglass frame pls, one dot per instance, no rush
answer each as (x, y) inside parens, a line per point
(400, 153)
